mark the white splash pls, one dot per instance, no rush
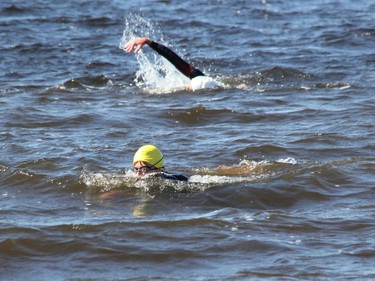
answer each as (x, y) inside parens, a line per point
(289, 160)
(212, 179)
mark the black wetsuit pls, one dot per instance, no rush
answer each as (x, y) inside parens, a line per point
(168, 176)
(185, 68)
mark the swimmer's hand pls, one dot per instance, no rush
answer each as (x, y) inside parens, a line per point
(137, 44)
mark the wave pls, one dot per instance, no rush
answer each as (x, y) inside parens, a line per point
(40, 120)
(278, 72)
(14, 10)
(104, 182)
(269, 79)
(258, 185)
(202, 178)
(203, 115)
(98, 21)
(255, 185)
(86, 82)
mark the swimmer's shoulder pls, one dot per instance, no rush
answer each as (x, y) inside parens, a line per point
(169, 176)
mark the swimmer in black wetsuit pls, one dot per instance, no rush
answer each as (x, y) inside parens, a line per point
(149, 161)
(198, 79)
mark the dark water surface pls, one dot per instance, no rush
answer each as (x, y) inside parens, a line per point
(280, 156)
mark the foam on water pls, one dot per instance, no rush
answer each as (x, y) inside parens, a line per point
(289, 160)
(105, 182)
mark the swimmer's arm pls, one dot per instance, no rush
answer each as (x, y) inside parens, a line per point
(184, 67)
(172, 57)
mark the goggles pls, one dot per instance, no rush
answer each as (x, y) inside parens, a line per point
(144, 169)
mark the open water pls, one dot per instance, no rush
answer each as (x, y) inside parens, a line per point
(280, 156)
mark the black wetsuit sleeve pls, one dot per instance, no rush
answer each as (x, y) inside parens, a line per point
(168, 176)
(180, 177)
(177, 61)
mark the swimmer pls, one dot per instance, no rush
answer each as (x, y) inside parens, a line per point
(197, 79)
(149, 161)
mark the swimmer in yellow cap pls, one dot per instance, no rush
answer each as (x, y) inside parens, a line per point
(149, 161)
(197, 78)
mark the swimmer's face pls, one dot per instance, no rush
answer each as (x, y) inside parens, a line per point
(142, 168)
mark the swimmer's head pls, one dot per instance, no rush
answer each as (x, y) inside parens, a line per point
(202, 82)
(149, 154)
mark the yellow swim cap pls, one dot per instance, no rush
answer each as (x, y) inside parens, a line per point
(150, 154)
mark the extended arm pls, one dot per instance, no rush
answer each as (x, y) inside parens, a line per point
(184, 67)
